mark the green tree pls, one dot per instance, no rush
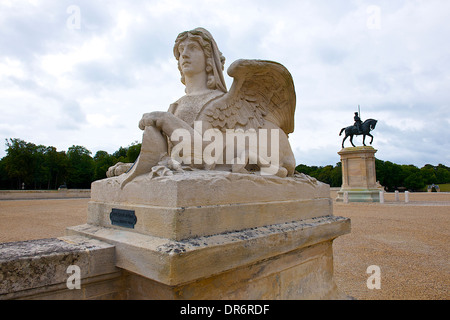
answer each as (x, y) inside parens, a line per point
(133, 152)
(57, 165)
(324, 174)
(102, 161)
(389, 174)
(336, 175)
(81, 167)
(19, 162)
(429, 174)
(41, 167)
(442, 174)
(328, 174)
(5, 182)
(414, 182)
(121, 155)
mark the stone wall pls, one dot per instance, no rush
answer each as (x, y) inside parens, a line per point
(38, 269)
(44, 194)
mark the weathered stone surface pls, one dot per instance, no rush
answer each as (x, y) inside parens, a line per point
(203, 188)
(41, 263)
(177, 262)
(180, 206)
(306, 273)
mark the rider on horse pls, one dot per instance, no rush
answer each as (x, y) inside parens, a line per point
(358, 122)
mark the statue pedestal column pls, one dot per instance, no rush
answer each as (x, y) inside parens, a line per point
(218, 235)
(358, 175)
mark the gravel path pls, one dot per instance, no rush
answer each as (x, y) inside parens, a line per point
(36, 219)
(409, 242)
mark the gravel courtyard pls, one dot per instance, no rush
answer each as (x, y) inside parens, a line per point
(408, 242)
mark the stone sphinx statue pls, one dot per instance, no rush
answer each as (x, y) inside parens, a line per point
(241, 130)
(213, 197)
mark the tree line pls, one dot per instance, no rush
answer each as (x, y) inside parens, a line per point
(39, 167)
(391, 176)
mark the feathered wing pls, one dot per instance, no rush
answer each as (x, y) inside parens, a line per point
(261, 90)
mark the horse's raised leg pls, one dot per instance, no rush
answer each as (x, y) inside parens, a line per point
(371, 136)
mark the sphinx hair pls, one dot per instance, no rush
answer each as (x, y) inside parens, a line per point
(205, 44)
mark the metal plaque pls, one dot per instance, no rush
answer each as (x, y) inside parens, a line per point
(123, 218)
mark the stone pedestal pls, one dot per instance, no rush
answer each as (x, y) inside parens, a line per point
(218, 235)
(358, 175)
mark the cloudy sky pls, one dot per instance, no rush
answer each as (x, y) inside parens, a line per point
(83, 72)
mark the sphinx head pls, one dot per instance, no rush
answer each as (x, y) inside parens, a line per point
(214, 60)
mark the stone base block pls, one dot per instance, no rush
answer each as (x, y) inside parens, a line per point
(210, 235)
(278, 259)
(300, 274)
(372, 195)
(196, 204)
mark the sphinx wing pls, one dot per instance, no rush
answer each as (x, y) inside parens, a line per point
(261, 91)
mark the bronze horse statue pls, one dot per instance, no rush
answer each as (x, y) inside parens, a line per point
(366, 127)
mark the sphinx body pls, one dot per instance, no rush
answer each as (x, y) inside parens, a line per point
(210, 128)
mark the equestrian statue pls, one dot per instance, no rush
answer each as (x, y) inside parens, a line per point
(359, 128)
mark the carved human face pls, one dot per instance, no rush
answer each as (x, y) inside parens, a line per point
(192, 58)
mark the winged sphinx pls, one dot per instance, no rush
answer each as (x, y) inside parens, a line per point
(257, 113)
